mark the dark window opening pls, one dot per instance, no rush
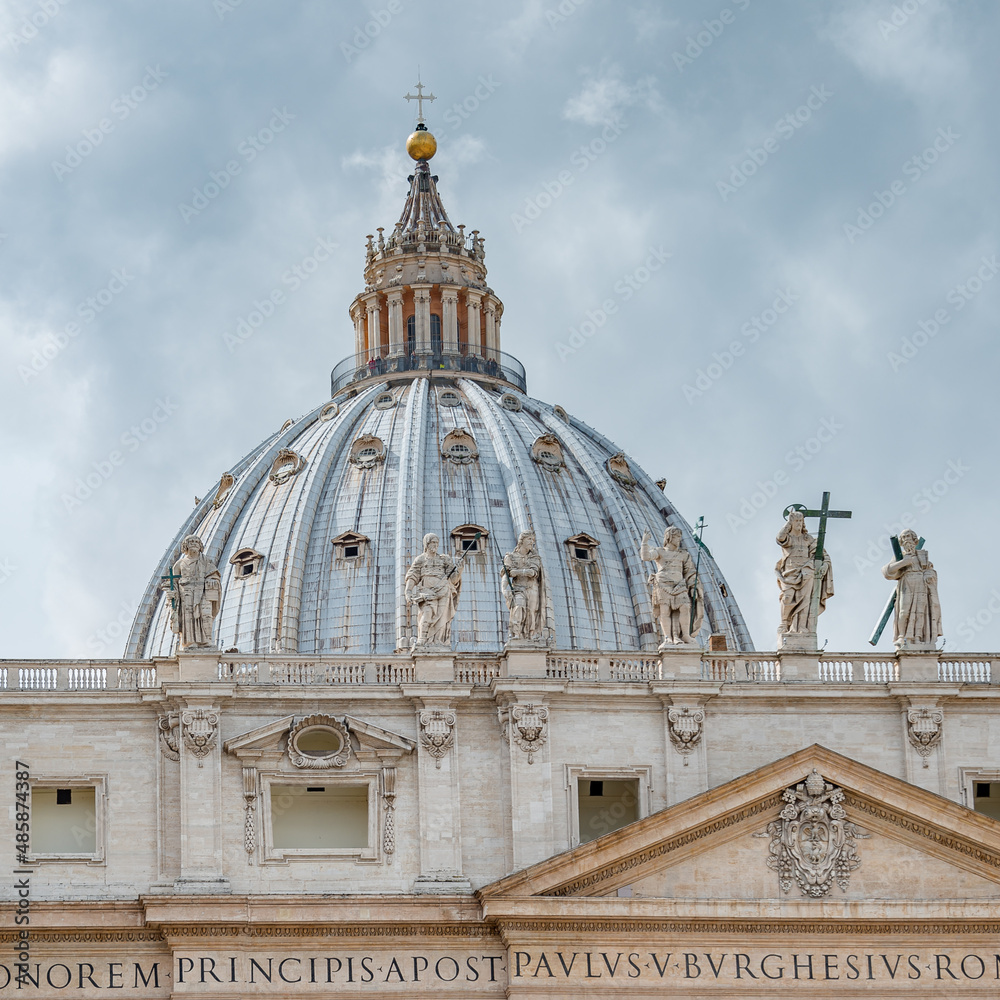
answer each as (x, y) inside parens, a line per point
(982, 789)
(436, 333)
(596, 788)
(248, 569)
(350, 551)
(323, 789)
(64, 796)
(411, 334)
(470, 545)
(606, 806)
(581, 553)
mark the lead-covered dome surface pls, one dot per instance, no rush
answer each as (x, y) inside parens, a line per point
(314, 531)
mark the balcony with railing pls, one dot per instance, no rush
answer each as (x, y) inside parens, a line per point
(284, 671)
(476, 363)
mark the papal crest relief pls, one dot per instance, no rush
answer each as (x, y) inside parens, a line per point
(813, 844)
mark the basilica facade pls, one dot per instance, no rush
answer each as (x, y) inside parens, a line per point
(435, 693)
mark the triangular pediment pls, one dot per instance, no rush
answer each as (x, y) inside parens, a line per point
(371, 739)
(909, 843)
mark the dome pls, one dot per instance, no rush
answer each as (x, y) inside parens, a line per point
(314, 531)
(429, 429)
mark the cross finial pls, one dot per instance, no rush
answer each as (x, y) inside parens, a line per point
(419, 97)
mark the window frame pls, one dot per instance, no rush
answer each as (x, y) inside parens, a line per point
(283, 855)
(968, 776)
(575, 773)
(98, 782)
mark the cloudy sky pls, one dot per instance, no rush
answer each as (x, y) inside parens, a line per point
(755, 244)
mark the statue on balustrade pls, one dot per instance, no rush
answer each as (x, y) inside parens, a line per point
(195, 589)
(676, 591)
(918, 610)
(525, 591)
(433, 583)
(797, 576)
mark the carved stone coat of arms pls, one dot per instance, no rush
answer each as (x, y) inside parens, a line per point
(813, 844)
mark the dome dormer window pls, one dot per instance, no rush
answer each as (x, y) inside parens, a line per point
(548, 453)
(329, 411)
(464, 538)
(510, 402)
(247, 563)
(367, 451)
(582, 547)
(349, 546)
(385, 401)
(449, 398)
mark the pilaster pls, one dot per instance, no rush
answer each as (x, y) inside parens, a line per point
(449, 319)
(374, 338)
(394, 301)
(422, 312)
(473, 301)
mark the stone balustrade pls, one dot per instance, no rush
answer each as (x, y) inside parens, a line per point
(580, 666)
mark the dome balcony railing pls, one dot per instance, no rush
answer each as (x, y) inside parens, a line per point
(482, 362)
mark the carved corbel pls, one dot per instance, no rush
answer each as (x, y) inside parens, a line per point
(529, 728)
(437, 733)
(200, 729)
(167, 727)
(924, 727)
(685, 728)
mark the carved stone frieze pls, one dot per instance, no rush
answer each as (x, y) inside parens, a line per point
(685, 728)
(200, 729)
(813, 844)
(924, 727)
(529, 728)
(166, 726)
(437, 732)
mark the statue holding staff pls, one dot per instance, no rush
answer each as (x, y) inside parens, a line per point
(917, 619)
(196, 597)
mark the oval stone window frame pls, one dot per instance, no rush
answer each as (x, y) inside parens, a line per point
(511, 402)
(287, 463)
(449, 398)
(547, 451)
(459, 447)
(319, 741)
(367, 451)
(329, 411)
(385, 401)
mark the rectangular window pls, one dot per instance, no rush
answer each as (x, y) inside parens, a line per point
(66, 820)
(606, 806)
(313, 818)
(987, 798)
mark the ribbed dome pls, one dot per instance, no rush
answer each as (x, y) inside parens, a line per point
(317, 528)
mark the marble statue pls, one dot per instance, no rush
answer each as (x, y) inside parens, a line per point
(918, 611)
(796, 577)
(433, 582)
(672, 587)
(523, 585)
(195, 588)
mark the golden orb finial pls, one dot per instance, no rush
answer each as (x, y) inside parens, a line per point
(421, 144)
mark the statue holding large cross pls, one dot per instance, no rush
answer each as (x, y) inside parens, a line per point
(805, 575)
